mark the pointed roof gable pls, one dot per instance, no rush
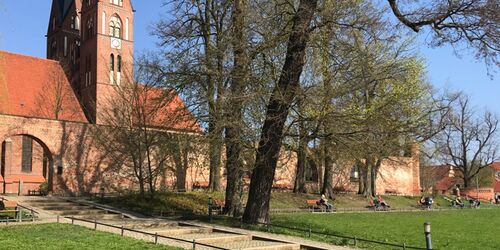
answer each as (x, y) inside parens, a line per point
(39, 88)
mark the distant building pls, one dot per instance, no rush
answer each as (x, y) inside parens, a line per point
(445, 179)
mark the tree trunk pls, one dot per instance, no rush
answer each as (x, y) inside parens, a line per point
(234, 127)
(300, 175)
(257, 209)
(214, 123)
(374, 175)
(327, 188)
(367, 177)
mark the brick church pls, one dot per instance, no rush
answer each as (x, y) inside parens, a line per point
(49, 107)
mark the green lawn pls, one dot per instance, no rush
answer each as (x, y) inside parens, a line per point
(64, 236)
(455, 229)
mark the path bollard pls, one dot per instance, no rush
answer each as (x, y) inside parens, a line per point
(428, 239)
(72, 221)
(194, 244)
(156, 238)
(121, 233)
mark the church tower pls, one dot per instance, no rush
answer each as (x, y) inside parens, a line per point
(93, 40)
(106, 57)
(63, 35)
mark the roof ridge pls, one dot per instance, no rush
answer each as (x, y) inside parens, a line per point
(32, 57)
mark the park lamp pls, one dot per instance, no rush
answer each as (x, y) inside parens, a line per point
(427, 227)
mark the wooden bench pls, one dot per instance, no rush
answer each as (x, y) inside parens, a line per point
(8, 207)
(35, 192)
(218, 205)
(312, 205)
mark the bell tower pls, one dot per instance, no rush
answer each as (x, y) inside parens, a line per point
(106, 55)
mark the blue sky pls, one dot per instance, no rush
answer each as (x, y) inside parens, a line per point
(25, 34)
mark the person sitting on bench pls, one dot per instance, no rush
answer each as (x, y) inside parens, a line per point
(382, 202)
(324, 202)
(473, 203)
(458, 202)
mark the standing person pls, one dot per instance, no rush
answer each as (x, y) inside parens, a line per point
(323, 200)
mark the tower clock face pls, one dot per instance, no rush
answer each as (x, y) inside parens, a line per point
(116, 43)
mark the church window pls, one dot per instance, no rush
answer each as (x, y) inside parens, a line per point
(90, 28)
(103, 23)
(112, 62)
(115, 27)
(77, 23)
(126, 29)
(65, 46)
(119, 64)
(27, 154)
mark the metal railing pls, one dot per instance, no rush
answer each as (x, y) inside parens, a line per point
(155, 235)
(355, 240)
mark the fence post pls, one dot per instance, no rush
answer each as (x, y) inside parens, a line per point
(20, 215)
(310, 232)
(156, 238)
(355, 241)
(194, 244)
(121, 233)
(95, 224)
(32, 215)
(72, 221)
(57, 218)
(427, 233)
(210, 203)
(404, 246)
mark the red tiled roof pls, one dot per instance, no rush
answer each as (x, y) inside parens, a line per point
(446, 183)
(33, 87)
(166, 110)
(497, 187)
(496, 166)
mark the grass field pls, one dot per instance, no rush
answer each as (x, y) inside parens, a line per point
(453, 229)
(63, 236)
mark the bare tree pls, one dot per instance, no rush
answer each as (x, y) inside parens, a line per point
(469, 142)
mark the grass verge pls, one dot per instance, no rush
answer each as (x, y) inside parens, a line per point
(64, 236)
(454, 229)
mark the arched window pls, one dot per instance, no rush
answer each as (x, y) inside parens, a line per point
(112, 62)
(115, 27)
(90, 28)
(77, 23)
(119, 64)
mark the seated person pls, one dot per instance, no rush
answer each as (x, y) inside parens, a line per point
(458, 202)
(426, 201)
(382, 202)
(324, 202)
(474, 202)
